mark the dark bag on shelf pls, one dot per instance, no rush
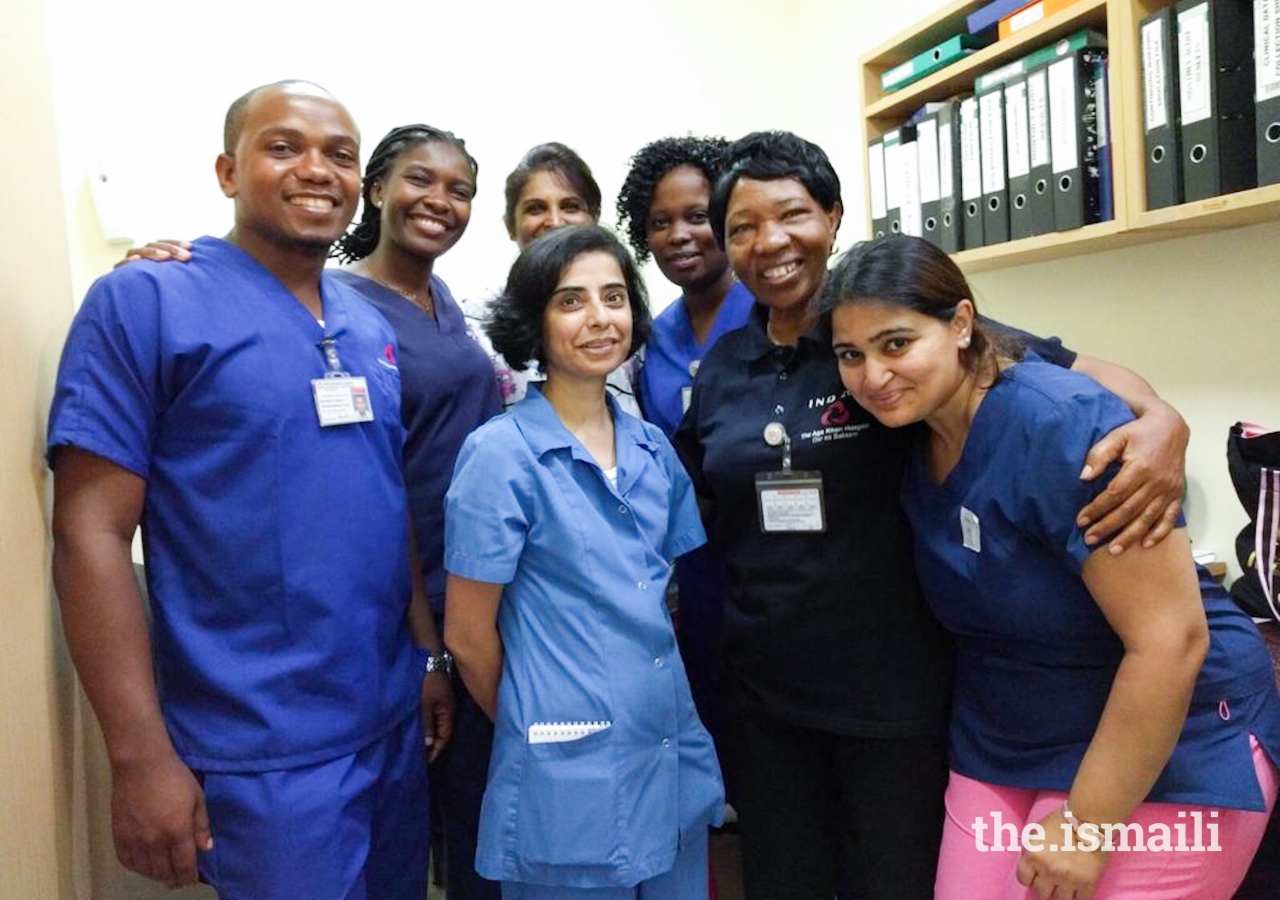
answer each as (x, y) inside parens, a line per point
(1253, 460)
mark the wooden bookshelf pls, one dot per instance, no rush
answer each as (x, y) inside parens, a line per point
(1133, 222)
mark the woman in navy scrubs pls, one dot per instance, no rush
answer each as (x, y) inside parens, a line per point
(1091, 688)
(563, 520)
(836, 675)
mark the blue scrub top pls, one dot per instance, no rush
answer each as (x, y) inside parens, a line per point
(673, 349)
(586, 638)
(1035, 656)
(448, 390)
(276, 549)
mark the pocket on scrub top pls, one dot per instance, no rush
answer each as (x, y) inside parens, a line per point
(567, 809)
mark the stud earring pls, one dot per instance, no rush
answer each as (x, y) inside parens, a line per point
(964, 342)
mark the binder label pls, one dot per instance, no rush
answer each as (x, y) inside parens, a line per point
(1194, 77)
(1015, 111)
(1038, 117)
(991, 121)
(875, 158)
(970, 153)
(898, 73)
(1064, 115)
(1266, 48)
(927, 142)
(1100, 95)
(893, 169)
(1156, 111)
(912, 222)
(946, 163)
(1026, 16)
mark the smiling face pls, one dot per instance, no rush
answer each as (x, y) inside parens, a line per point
(547, 201)
(586, 328)
(295, 170)
(425, 200)
(678, 230)
(901, 365)
(778, 238)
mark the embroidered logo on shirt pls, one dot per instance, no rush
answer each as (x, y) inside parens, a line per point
(835, 414)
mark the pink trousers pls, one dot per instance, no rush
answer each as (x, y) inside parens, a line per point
(966, 872)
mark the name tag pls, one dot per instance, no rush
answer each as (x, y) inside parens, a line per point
(341, 400)
(790, 502)
(970, 532)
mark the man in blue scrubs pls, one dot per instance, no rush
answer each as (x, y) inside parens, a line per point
(244, 410)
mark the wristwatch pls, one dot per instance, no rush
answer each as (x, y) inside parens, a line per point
(439, 662)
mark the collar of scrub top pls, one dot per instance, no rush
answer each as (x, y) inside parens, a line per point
(544, 432)
(758, 345)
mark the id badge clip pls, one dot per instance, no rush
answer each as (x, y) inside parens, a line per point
(789, 501)
(340, 398)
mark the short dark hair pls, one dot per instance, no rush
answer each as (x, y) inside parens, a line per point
(902, 270)
(648, 167)
(515, 318)
(363, 237)
(233, 124)
(768, 156)
(551, 157)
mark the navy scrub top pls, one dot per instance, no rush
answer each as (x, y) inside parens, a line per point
(448, 390)
(1035, 656)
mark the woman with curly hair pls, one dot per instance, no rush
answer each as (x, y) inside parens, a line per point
(664, 206)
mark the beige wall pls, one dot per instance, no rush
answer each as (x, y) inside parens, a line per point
(37, 693)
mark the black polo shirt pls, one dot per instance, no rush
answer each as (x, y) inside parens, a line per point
(827, 630)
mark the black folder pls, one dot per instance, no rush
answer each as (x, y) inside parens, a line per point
(995, 190)
(1041, 196)
(1215, 80)
(875, 190)
(1266, 55)
(1159, 42)
(1018, 157)
(950, 213)
(930, 185)
(1073, 129)
(971, 173)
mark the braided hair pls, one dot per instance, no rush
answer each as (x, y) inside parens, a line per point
(363, 238)
(650, 164)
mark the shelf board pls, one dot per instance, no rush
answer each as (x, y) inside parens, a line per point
(959, 76)
(1044, 247)
(1249, 207)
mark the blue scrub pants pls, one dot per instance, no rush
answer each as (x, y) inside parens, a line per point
(351, 828)
(686, 880)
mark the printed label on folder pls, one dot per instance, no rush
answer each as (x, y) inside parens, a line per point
(1157, 114)
(1266, 17)
(1193, 64)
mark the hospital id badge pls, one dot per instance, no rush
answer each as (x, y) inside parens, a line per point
(790, 502)
(341, 400)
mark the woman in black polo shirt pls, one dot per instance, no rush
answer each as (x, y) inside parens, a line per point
(837, 677)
